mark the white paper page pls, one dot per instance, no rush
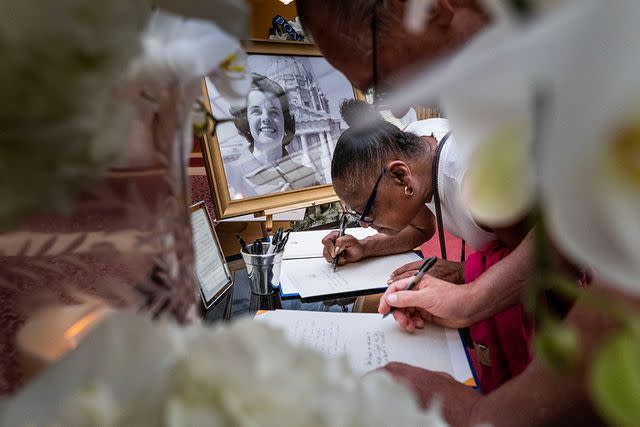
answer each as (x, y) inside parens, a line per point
(287, 286)
(308, 244)
(371, 342)
(315, 276)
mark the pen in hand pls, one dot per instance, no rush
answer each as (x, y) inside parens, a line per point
(343, 226)
(429, 262)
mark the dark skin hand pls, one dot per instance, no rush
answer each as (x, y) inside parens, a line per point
(348, 247)
(449, 271)
(429, 384)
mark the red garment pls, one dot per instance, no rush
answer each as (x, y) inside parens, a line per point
(507, 335)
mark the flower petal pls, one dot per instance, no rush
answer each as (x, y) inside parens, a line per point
(593, 215)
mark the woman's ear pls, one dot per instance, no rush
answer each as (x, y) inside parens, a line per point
(399, 171)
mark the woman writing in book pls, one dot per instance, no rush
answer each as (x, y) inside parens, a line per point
(385, 178)
(268, 126)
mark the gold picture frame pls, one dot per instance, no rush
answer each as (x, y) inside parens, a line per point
(218, 168)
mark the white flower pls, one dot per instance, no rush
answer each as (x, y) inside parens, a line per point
(60, 65)
(95, 405)
(486, 96)
(173, 52)
(229, 15)
(232, 80)
(591, 157)
(172, 55)
(246, 374)
(586, 168)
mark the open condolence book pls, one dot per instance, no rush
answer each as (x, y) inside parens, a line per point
(307, 275)
(370, 342)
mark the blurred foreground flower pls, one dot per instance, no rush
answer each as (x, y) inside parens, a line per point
(59, 125)
(246, 374)
(583, 166)
(125, 237)
(550, 112)
(591, 155)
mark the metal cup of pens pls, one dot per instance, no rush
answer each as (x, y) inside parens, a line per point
(264, 261)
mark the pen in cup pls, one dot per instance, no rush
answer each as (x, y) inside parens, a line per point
(426, 265)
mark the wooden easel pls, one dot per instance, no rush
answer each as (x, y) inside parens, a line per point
(267, 226)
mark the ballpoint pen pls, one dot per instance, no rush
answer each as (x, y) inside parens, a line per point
(429, 262)
(343, 226)
(283, 242)
(243, 244)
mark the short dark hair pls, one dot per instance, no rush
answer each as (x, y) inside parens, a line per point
(264, 84)
(370, 142)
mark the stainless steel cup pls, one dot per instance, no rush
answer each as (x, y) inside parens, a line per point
(263, 271)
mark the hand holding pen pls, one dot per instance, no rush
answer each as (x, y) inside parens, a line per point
(428, 263)
(343, 227)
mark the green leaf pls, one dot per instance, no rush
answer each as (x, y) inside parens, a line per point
(615, 380)
(558, 345)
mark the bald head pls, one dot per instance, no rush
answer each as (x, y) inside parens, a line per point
(343, 32)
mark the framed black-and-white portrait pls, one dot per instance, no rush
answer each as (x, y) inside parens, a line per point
(212, 272)
(276, 150)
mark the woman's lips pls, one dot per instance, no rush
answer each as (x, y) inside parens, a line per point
(267, 130)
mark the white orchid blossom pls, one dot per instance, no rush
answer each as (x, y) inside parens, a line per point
(132, 371)
(172, 55)
(491, 116)
(582, 58)
(61, 126)
(229, 15)
(487, 98)
(591, 155)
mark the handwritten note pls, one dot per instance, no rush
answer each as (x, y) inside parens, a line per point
(210, 265)
(308, 244)
(376, 349)
(371, 342)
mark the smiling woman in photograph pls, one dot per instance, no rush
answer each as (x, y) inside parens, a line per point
(268, 126)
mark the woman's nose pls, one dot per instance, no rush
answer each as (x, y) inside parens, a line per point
(265, 118)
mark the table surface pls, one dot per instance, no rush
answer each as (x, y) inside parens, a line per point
(244, 303)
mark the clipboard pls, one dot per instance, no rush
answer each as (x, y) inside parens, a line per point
(311, 270)
(326, 297)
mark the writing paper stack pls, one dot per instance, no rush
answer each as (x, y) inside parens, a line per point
(370, 342)
(308, 244)
(307, 275)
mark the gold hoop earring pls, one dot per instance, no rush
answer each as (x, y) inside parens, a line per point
(408, 190)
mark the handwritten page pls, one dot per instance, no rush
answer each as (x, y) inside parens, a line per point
(314, 276)
(308, 244)
(210, 264)
(370, 342)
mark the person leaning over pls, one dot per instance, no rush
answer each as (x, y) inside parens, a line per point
(385, 179)
(539, 396)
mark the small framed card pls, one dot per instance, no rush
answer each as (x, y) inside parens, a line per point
(212, 271)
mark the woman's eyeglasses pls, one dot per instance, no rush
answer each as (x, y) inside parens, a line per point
(364, 217)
